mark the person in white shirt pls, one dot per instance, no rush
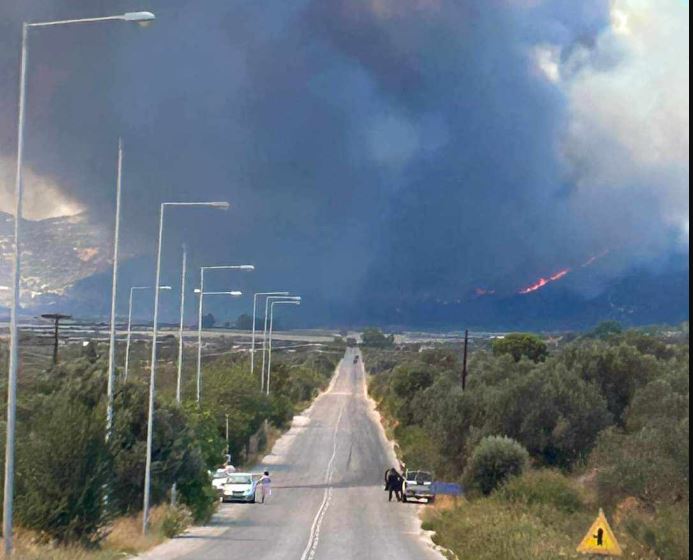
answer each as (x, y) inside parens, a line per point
(265, 486)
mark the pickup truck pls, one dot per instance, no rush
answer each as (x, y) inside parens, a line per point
(418, 486)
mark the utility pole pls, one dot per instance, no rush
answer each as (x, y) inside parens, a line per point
(56, 317)
(179, 378)
(114, 290)
(227, 434)
(464, 360)
(8, 495)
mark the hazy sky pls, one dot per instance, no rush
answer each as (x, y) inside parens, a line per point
(386, 149)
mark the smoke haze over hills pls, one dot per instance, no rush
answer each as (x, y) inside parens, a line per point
(378, 154)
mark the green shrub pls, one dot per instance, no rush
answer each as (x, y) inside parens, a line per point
(542, 487)
(486, 530)
(62, 469)
(671, 532)
(406, 382)
(554, 413)
(494, 460)
(665, 533)
(374, 337)
(177, 455)
(419, 451)
(519, 345)
(651, 464)
(605, 329)
(175, 521)
(616, 370)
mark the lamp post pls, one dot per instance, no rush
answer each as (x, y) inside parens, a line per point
(199, 333)
(252, 347)
(114, 288)
(268, 301)
(137, 17)
(202, 293)
(129, 335)
(155, 332)
(289, 300)
(179, 377)
(227, 434)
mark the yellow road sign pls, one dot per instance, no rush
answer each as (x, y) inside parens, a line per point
(600, 539)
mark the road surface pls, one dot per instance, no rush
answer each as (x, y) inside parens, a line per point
(327, 499)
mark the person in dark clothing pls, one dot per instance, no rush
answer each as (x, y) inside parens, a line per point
(393, 483)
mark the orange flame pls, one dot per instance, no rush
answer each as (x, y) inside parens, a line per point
(544, 281)
(560, 274)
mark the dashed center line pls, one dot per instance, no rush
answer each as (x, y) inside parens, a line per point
(312, 546)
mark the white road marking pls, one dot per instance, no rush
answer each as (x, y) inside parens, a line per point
(312, 546)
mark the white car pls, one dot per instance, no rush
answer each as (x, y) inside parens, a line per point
(219, 479)
(418, 485)
(239, 487)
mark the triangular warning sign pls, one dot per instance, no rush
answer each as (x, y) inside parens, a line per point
(600, 539)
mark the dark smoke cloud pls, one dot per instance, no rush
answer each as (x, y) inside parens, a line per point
(373, 150)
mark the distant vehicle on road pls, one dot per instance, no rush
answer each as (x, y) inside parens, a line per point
(239, 487)
(418, 486)
(218, 480)
(220, 476)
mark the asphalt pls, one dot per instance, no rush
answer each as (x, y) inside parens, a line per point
(327, 495)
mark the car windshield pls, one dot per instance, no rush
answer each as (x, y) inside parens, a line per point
(220, 475)
(419, 476)
(239, 479)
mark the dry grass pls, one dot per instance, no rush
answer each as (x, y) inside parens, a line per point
(124, 539)
(125, 535)
(491, 529)
(26, 547)
(445, 503)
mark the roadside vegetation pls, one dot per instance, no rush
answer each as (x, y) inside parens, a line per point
(78, 495)
(543, 436)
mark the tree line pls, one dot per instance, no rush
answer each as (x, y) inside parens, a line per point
(71, 482)
(611, 403)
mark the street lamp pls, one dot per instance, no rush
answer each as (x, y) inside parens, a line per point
(227, 434)
(247, 267)
(114, 289)
(289, 300)
(127, 344)
(155, 332)
(144, 19)
(179, 377)
(268, 301)
(137, 17)
(252, 347)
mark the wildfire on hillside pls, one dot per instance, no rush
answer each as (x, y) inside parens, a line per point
(539, 284)
(544, 281)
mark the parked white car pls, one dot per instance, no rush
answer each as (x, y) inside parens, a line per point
(239, 487)
(418, 485)
(219, 479)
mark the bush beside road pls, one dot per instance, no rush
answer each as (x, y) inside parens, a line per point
(65, 469)
(604, 420)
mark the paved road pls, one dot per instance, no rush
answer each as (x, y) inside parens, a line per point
(327, 501)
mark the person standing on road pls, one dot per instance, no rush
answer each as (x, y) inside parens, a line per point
(265, 483)
(393, 483)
